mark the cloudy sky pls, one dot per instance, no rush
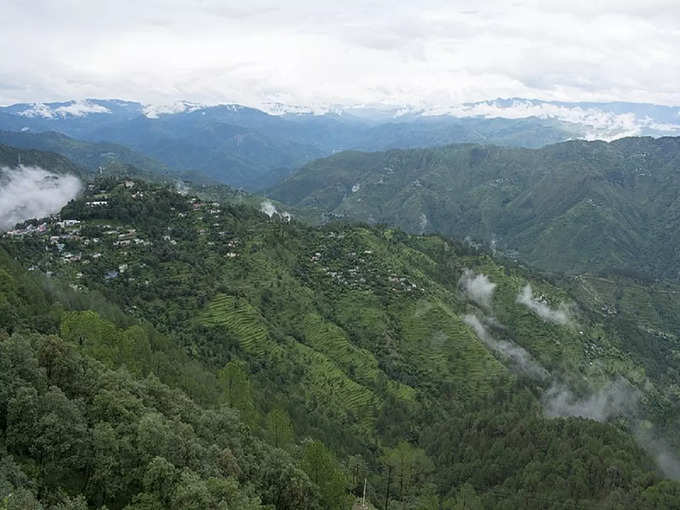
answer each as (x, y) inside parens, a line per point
(315, 52)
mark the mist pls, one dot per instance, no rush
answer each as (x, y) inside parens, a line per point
(526, 298)
(32, 192)
(478, 287)
(270, 210)
(659, 449)
(516, 354)
(618, 398)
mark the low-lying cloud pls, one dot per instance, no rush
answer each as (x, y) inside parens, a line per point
(70, 109)
(516, 354)
(270, 210)
(478, 287)
(32, 192)
(618, 398)
(540, 308)
(593, 123)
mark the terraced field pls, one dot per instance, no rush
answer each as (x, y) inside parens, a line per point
(323, 379)
(436, 338)
(241, 321)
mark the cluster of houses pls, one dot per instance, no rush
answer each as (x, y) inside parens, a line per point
(29, 229)
(71, 245)
(357, 267)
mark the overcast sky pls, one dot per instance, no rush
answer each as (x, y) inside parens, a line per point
(316, 52)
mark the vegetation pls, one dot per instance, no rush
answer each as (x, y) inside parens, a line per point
(11, 157)
(160, 351)
(571, 207)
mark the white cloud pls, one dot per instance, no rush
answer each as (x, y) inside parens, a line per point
(32, 192)
(80, 109)
(595, 123)
(541, 308)
(516, 354)
(478, 287)
(72, 109)
(310, 53)
(155, 111)
(618, 398)
(270, 210)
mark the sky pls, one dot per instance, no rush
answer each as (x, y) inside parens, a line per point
(301, 52)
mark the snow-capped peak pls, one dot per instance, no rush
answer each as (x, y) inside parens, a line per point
(154, 111)
(70, 109)
(596, 122)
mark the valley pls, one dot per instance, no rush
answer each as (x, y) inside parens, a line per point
(388, 350)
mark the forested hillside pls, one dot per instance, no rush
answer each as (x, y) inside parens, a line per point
(575, 206)
(108, 158)
(253, 360)
(12, 157)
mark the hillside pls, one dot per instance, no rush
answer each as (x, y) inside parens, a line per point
(109, 157)
(247, 147)
(443, 376)
(11, 157)
(575, 206)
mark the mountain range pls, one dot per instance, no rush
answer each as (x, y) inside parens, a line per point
(169, 341)
(247, 147)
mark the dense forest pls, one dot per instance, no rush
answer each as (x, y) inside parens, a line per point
(572, 207)
(162, 351)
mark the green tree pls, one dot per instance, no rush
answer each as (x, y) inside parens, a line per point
(236, 391)
(467, 499)
(279, 428)
(410, 466)
(325, 471)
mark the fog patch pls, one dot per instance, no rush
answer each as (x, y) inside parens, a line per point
(32, 192)
(618, 398)
(516, 354)
(270, 210)
(478, 287)
(541, 308)
(659, 449)
(181, 188)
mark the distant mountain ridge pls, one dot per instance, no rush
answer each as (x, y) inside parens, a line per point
(255, 149)
(88, 155)
(12, 157)
(574, 206)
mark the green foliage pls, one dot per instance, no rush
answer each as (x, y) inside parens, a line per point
(409, 466)
(121, 441)
(575, 206)
(324, 470)
(235, 386)
(279, 428)
(343, 347)
(110, 158)
(10, 157)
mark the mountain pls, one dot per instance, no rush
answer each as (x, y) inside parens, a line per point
(250, 148)
(212, 354)
(12, 157)
(592, 120)
(90, 156)
(575, 206)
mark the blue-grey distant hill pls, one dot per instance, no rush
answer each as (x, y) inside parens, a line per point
(250, 148)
